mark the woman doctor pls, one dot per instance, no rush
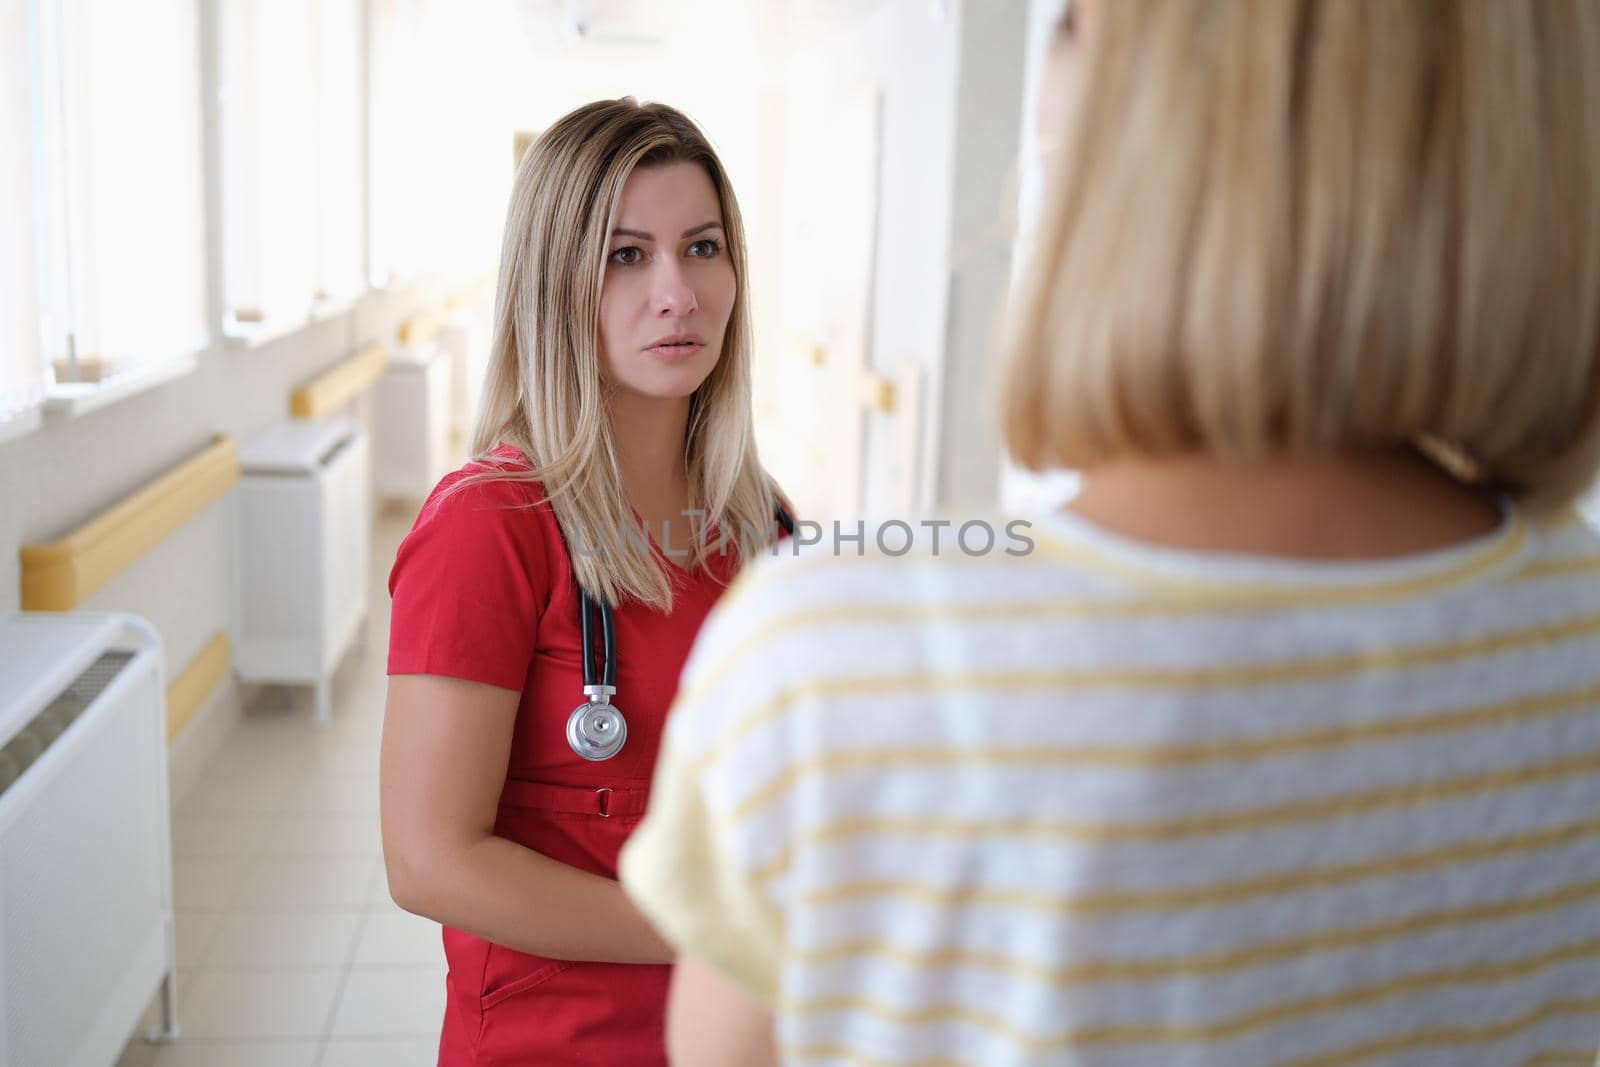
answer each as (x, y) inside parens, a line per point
(517, 755)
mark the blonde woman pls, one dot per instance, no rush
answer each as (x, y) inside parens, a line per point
(1284, 746)
(537, 635)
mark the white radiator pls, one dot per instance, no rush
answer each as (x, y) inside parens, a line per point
(302, 541)
(411, 422)
(86, 931)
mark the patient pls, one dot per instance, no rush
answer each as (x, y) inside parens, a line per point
(1283, 745)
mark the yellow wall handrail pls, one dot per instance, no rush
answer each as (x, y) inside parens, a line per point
(60, 575)
(190, 689)
(334, 388)
(418, 329)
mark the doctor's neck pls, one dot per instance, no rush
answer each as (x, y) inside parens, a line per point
(648, 434)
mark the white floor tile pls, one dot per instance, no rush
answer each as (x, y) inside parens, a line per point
(391, 1002)
(259, 1004)
(228, 793)
(346, 836)
(193, 935)
(378, 898)
(200, 834)
(287, 884)
(246, 940)
(363, 702)
(137, 1054)
(361, 727)
(237, 1054)
(336, 795)
(207, 883)
(342, 758)
(361, 1052)
(261, 751)
(399, 937)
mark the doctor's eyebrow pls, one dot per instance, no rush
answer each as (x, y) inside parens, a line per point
(640, 235)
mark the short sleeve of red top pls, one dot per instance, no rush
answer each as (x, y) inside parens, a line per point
(470, 582)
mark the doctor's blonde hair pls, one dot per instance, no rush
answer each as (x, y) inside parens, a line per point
(544, 392)
(1281, 226)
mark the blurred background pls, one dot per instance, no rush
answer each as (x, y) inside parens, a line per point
(230, 195)
(245, 285)
(246, 277)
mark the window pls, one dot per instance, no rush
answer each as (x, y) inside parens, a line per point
(268, 159)
(442, 88)
(21, 370)
(122, 291)
(341, 150)
(291, 79)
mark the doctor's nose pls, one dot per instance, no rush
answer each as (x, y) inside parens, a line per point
(672, 296)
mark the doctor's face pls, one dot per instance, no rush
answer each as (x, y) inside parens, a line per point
(669, 285)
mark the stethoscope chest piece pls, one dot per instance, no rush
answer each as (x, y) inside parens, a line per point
(596, 730)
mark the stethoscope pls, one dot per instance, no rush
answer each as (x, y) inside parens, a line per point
(597, 729)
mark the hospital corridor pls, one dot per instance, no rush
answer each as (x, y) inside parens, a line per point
(800, 533)
(247, 305)
(290, 951)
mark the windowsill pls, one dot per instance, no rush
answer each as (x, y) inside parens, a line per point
(256, 334)
(71, 399)
(392, 282)
(336, 305)
(20, 425)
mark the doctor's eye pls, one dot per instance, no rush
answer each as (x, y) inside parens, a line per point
(626, 257)
(707, 248)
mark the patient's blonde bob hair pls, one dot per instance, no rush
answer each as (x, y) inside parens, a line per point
(1280, 226)
(544, 392)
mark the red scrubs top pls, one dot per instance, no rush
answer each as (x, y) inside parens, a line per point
(482, 589)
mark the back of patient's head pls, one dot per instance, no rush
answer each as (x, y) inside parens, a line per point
(1287, 226)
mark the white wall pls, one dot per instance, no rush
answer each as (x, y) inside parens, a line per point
(1022, 490)
(949, 76)
(72, 469)
(989, 102)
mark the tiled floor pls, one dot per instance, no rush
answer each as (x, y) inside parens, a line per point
(290, 952)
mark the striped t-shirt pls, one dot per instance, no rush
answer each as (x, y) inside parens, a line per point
(1116, 805)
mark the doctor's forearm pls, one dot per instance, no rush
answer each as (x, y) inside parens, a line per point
(516, 897)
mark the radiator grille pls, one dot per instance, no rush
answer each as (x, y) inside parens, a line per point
(35, 739)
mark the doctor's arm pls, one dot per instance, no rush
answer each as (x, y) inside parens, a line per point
(446, 748)
(711, 1022)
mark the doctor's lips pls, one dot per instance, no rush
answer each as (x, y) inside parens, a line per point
(676, 346)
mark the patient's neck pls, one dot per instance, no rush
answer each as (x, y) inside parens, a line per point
(1341, 507)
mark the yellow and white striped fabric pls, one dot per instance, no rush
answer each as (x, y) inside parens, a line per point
(1108, 804)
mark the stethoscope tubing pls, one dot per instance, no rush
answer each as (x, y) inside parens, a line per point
(600, 681)
(588, 606)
